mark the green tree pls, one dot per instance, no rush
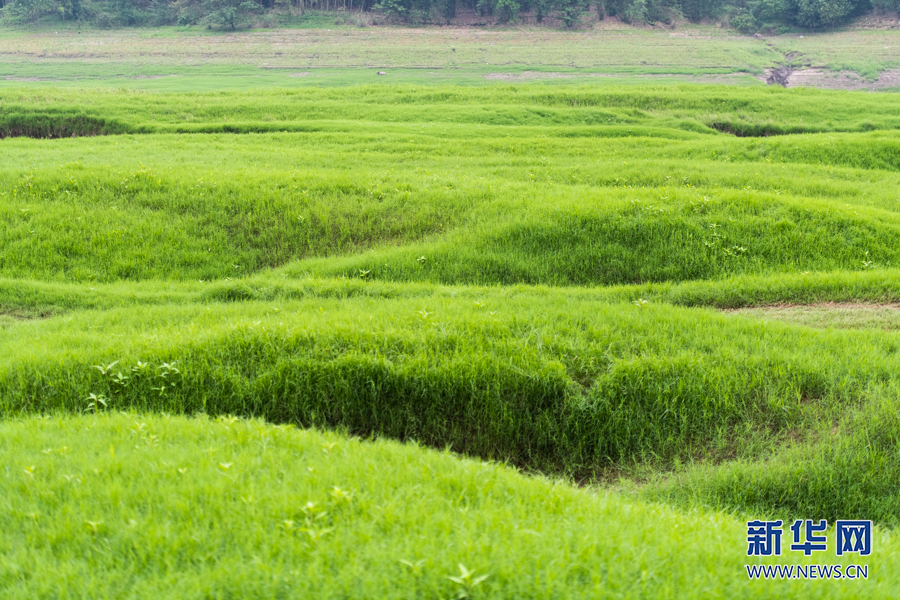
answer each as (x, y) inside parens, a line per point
(229, 14)
(508, 10)
(819, 13)
(570, 11)
(542, 8)
(28, 11)
(394, 9)
(695, 10)
(634, 11)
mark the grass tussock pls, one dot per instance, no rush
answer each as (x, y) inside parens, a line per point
(57, 125)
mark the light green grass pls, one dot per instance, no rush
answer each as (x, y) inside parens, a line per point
(144, 506)
(758, 111)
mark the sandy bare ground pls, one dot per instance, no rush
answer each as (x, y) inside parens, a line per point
(824, 315)
(839, 80)
(525, 76)
(859, 306)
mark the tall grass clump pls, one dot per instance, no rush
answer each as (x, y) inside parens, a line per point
(57, 125)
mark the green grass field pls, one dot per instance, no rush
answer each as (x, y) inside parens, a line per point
(494, 313)
(193, 59)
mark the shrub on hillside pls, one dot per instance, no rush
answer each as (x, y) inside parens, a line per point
(822, 13)
(744, 21)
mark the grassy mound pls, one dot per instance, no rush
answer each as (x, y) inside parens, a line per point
(482, 210)
(608, 239)
(144, 506)
(544, 379)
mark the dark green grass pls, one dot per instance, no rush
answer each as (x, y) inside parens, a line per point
(849, 467)
(56, 124)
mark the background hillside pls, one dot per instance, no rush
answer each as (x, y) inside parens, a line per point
(746, 16)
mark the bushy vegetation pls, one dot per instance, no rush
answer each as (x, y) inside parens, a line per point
(745, 15)
(56, 125)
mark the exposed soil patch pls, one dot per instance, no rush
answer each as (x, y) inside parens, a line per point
(528, 76)
(820, 305)
(797, 71)
(838, 315)
(780, 74)
(27, 79)
(539, 75)
(8, 317)
(841, 80)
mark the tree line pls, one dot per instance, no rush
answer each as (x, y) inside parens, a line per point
(747, 16)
